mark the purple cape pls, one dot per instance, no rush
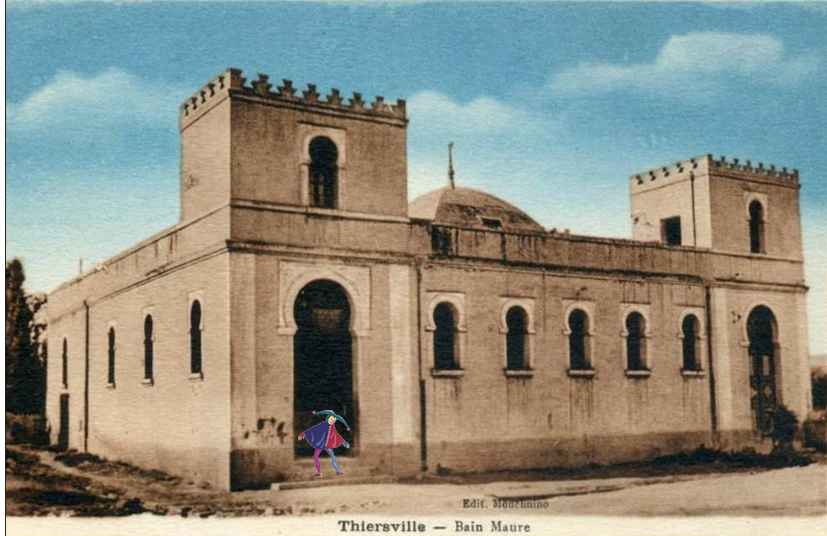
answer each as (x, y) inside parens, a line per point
(316, 435)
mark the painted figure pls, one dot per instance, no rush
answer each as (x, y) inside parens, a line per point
(323, 436)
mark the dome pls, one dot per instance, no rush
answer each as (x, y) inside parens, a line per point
(466, 207)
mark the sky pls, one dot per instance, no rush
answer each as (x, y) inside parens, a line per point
(551, 106)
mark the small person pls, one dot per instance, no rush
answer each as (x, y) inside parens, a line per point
(323, 436)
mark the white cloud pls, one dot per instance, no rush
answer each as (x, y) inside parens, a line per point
(484, 115)
(73, 103)
(694, 64)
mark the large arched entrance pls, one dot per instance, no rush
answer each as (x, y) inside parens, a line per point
(322, 359)
(763, 354)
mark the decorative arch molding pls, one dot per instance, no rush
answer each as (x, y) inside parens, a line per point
(588, 307)
(355, 280)
(644, 310)
(749, 197)
(338, 136)
(697, 312)
(457, 302)
(744, 318)
(456, 299)
(628, 308)
(700, 314)
(526, 304)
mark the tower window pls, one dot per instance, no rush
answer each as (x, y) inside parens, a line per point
(671, 231)
(445, 337)
(195, 338)
(515, 340)
(149, 350)
(323, 172)
(110, 376)
(756, 227)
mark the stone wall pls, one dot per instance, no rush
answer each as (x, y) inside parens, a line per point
(486, 419)
(263, 289)
(176, 423)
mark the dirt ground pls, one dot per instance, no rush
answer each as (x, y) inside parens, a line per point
(42, 483)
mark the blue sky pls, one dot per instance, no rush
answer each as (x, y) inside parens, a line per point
(551, 106)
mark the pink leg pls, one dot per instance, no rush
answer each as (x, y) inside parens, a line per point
(316, 461)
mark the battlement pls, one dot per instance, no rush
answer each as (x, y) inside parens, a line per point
(232, 81)
(678, 171)
(709, 164)
(770, 173)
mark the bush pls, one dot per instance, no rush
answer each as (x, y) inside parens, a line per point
(784, 428)
(815, 430)
(26, 429)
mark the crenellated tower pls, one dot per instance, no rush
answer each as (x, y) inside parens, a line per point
(263, 145)
(725, 205)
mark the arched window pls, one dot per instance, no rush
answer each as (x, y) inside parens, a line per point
(110, 376)
(516, 321)
(756, 227)
(65, 363)
(323, 172)
(195, 338)
(149, 353)
(690, 330)
(579, 358)
(445, 337)
(635, 342)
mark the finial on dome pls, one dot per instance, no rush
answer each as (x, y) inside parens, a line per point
(451, 165)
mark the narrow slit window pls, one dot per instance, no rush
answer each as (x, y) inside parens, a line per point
(195, 338)
(149, 350)
(64, 360)
(110, 375)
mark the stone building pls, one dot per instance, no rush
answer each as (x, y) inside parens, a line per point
(453, 332)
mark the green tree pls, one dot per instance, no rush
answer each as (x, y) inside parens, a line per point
(24, 373)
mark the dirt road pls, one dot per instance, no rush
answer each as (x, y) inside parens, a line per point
(42, 483)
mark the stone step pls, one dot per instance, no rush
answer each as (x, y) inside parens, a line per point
(333, 481)
(303, 469)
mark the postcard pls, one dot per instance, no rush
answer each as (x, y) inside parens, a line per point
(352, 268)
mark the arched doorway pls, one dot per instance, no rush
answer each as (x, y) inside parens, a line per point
(322, 359)
(763, 355)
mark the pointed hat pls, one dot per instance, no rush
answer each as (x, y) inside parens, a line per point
(328, 413)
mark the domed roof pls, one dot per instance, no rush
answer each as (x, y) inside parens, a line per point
(466, 207)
